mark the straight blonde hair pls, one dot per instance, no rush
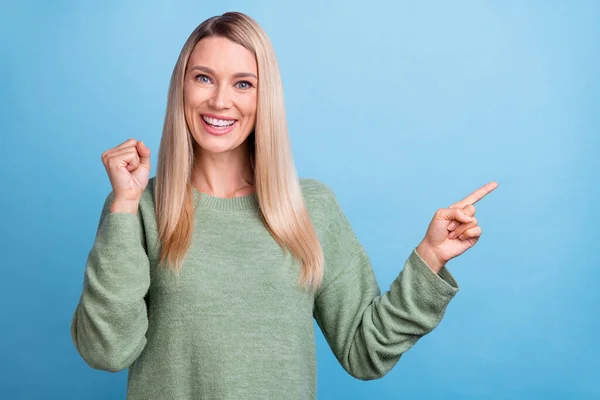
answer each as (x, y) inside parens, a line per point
(282, 206)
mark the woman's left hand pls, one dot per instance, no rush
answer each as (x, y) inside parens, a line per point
(453, 230)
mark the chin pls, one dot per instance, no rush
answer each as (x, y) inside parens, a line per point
(216, 145)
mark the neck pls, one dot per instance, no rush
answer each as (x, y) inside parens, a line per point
(227, 174)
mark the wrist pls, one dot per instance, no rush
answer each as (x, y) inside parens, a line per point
(428, 255)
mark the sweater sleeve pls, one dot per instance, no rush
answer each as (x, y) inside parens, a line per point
(368, 331)
(109, 324)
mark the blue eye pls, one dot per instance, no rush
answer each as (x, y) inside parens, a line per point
(203, 78)
(246, 85)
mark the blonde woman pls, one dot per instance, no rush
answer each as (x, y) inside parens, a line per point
(204, 280)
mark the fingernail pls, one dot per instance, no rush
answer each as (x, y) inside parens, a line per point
(452, 235)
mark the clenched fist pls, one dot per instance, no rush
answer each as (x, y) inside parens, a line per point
(128, 168)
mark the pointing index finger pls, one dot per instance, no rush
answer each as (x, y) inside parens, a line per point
(476, 195)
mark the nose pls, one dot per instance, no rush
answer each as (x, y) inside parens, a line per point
(220, 98)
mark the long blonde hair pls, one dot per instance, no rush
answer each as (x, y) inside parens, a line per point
(281, 202)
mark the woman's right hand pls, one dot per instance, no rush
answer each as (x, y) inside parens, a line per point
(128, 168)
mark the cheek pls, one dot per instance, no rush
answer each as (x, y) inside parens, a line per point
(191, 101)
(188, 102)
(192, 97)
(249, 107)
(188, 105)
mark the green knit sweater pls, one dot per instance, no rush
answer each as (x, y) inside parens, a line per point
(234, 324)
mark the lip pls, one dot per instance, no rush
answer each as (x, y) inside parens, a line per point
(214, 131)
(219, 117)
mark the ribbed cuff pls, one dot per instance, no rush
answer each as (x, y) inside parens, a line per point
(442, 281)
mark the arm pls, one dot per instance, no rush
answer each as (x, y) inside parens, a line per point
(369, 331)
(110, 322)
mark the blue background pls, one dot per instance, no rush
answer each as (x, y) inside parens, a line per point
(402, 108)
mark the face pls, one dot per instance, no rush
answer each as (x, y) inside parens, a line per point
(220, 94)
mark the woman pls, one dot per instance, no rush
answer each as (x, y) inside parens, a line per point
(204, 280)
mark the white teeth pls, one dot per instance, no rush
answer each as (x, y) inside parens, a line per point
(218, 122)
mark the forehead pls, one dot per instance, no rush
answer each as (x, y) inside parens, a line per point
(223, 56)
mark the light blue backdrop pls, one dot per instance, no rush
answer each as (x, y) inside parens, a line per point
(402, 108)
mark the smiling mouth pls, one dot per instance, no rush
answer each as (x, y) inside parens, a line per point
(218, 123)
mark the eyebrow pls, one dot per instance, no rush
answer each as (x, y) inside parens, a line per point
(211, 71)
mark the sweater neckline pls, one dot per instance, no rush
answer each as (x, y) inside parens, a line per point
(246, 202)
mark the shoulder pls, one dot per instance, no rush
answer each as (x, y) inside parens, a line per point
(314, 190)
(318, 196)
(333, 228)
(321, 203)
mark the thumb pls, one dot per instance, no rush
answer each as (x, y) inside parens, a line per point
(144, 153)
